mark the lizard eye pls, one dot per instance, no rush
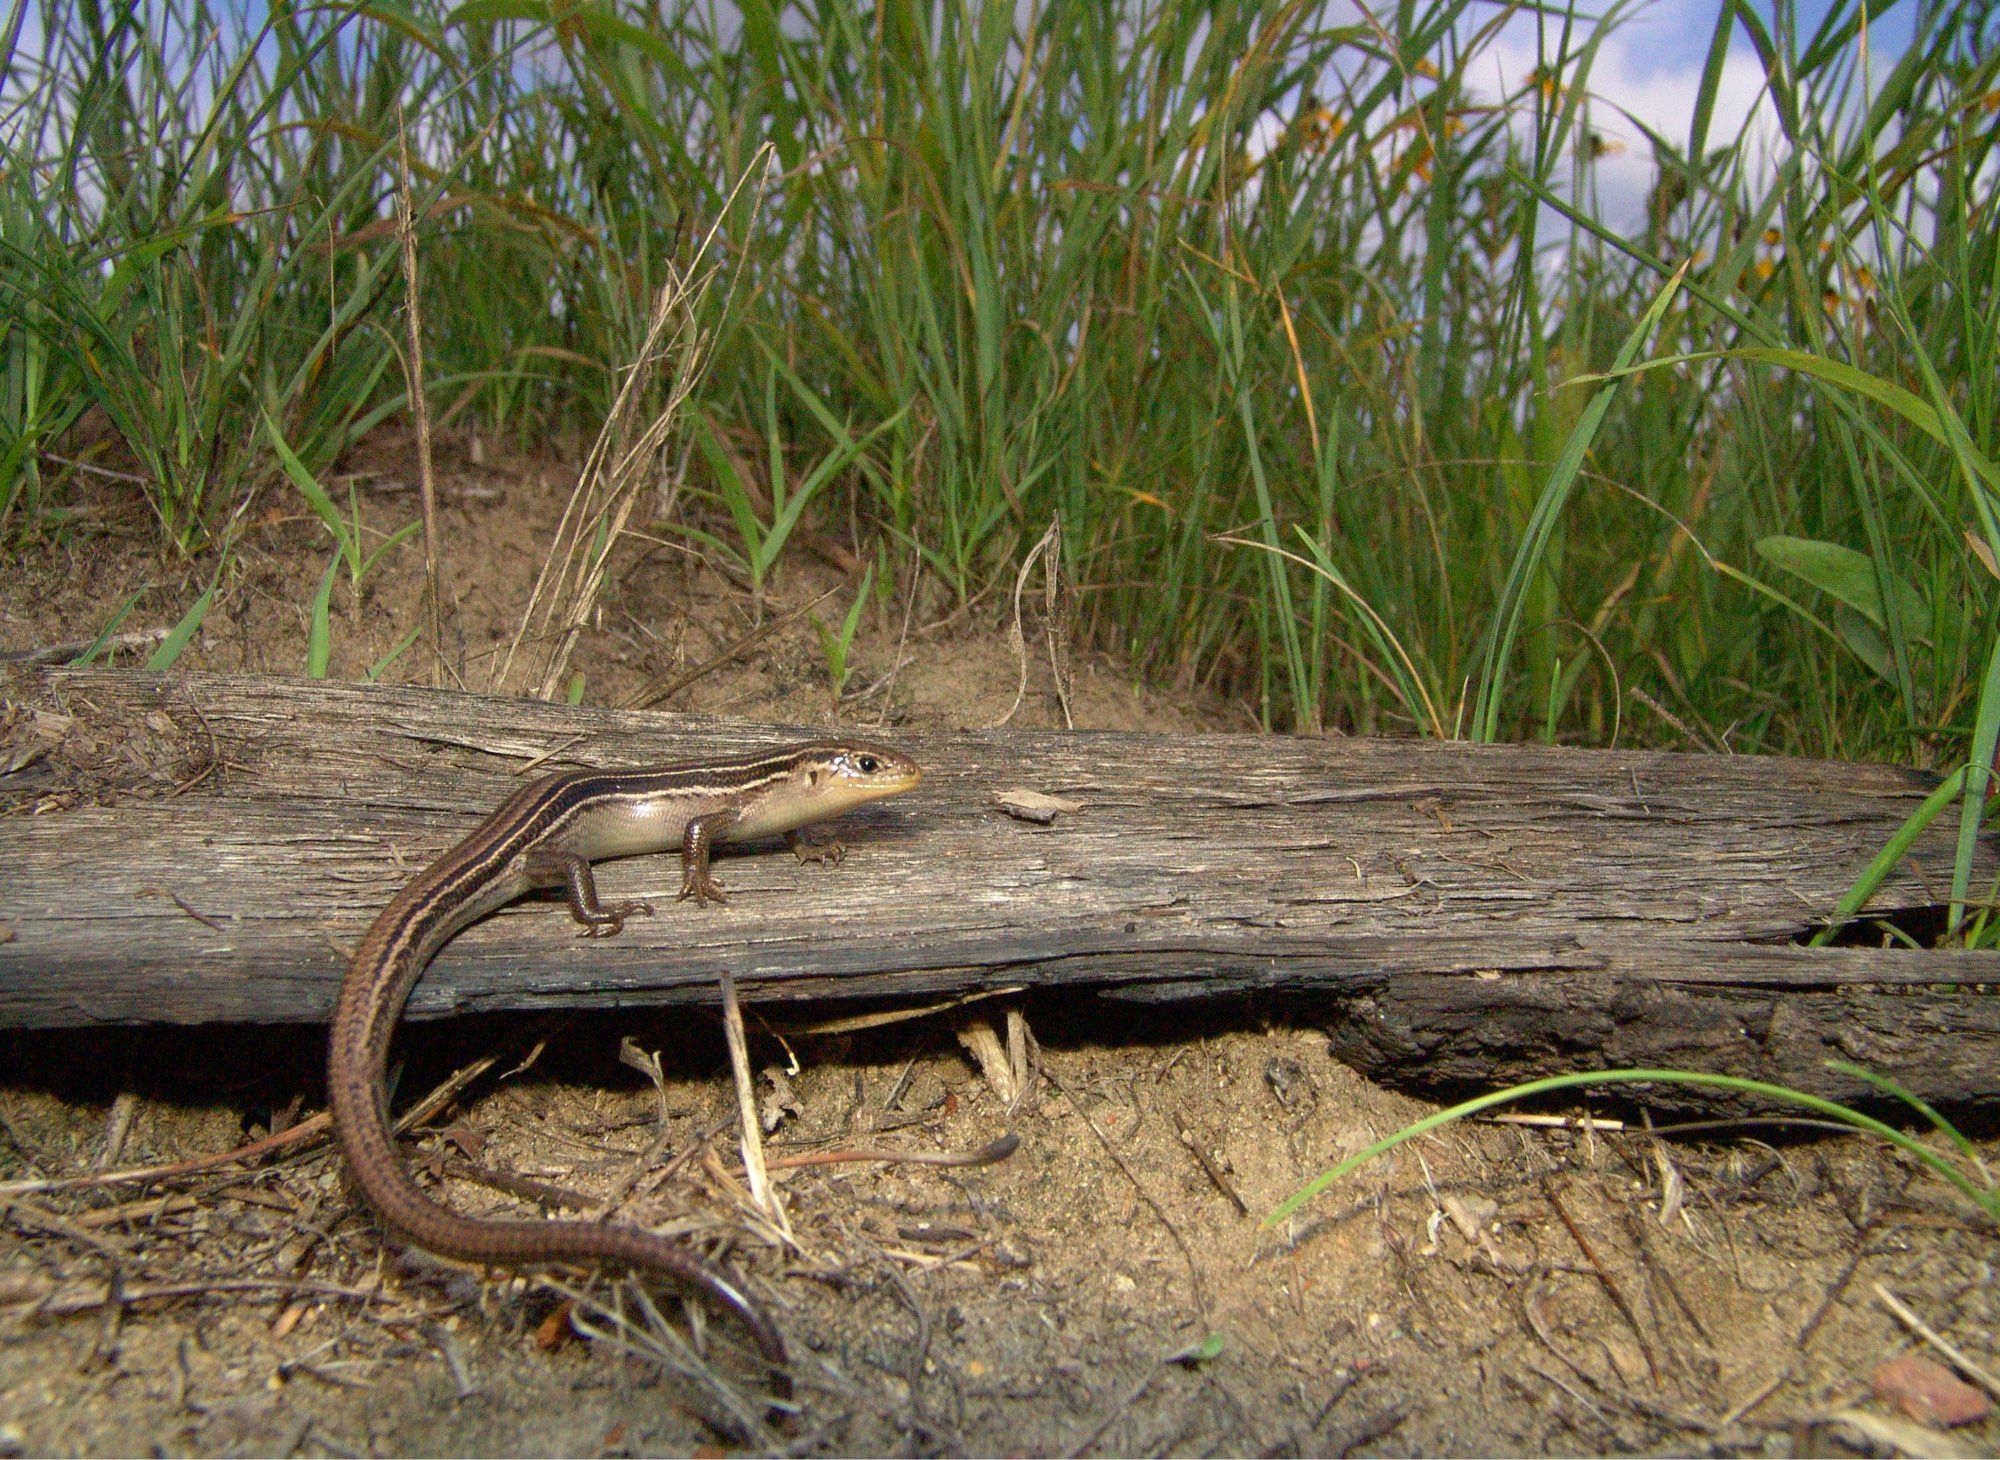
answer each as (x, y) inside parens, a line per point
(869, 765)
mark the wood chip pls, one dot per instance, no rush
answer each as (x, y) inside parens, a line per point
(1026, 805)
(1902, 1436)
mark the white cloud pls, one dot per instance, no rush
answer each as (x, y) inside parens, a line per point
(1650, 66)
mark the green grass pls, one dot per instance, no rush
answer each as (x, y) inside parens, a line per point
(1962, 1167)
(1275, 316)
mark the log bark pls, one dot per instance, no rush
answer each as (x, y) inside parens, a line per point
(207, 848)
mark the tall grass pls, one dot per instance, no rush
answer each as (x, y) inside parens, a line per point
(1286, 321)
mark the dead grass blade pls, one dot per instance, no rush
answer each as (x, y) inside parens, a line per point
(623, 458)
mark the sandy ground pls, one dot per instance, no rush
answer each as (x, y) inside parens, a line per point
(1106, 1289)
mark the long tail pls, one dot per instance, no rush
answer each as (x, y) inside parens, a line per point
(386, 966)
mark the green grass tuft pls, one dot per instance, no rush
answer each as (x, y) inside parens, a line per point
(1353, 404)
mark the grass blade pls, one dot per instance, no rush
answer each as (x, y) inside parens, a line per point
(1985, 1198)
(183, 633)
(1506, 622)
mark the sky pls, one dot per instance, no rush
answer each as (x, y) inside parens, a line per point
(1651, 66)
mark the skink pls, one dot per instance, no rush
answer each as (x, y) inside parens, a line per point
(547, 835)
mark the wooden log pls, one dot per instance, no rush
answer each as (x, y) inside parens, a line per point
(207, 848)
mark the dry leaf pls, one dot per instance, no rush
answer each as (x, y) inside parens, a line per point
(554, 1331)
(1982, 551)
(780, 1100)
(1928, 1393)
(1025, 805)
(1471, 1215)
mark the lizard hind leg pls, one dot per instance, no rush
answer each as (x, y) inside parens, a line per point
(572, 873)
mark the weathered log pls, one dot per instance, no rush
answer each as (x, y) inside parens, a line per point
(206, 848)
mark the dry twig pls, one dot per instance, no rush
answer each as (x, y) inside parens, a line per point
(622, 459)
(1936, 1340)
(420, 408)
(667, 687)
(1604, 1279)
(1055, 622)
(746, 1102)
(1187, 1252)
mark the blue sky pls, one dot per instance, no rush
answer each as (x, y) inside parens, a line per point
(1651, 66)
(1680, 29)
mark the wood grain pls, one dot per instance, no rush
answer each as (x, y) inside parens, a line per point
(205, 848)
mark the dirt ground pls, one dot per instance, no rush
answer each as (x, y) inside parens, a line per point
(1106, 1289)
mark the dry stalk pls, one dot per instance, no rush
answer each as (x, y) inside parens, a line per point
(622, 459)
(746, 1102)
(1055, 622)
(420, 410)
(647, 1336)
